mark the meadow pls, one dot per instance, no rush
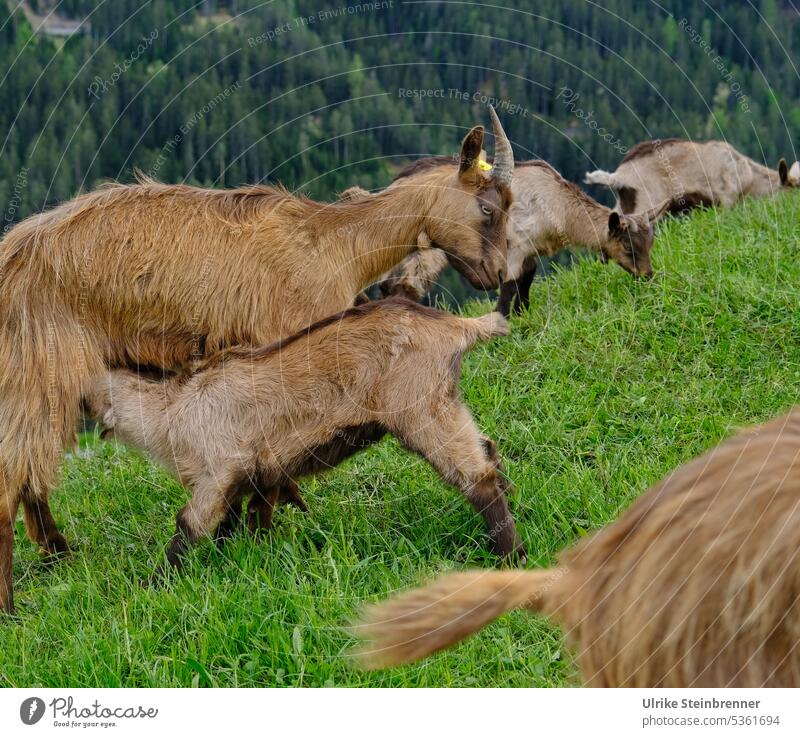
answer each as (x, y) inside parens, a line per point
(604, 386)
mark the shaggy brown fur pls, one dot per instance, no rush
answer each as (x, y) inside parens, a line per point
(161, 275)
(413, 277)
(426, 164)
(690, 174)
(697, 584)
(549, 214)
(251, 420)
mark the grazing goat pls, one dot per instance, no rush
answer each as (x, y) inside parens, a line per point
(690, 174)
(697, 584)
(161, 275)
(251, 421)
(548, 215)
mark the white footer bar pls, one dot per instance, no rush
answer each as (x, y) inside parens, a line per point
(296, 713)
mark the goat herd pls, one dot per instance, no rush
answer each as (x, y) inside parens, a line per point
(216, 330)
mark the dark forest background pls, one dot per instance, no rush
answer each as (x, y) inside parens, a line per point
(314, 93)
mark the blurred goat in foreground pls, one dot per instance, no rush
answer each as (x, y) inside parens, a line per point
(697, 584)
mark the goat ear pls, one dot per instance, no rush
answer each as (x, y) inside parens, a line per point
(616, 225)
(654, 214)
(471, 150)
(783, 172)
(353, 193)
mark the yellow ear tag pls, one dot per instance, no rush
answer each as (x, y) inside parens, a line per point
(484, 166)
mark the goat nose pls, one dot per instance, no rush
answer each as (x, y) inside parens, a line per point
(500, 275)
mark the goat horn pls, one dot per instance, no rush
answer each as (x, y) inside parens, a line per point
(503, 153)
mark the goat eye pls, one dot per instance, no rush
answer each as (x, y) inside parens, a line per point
(627, 245)
(486, 210)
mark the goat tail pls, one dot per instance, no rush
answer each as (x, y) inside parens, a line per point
(488, 326)
(423, 621)
(599, 176)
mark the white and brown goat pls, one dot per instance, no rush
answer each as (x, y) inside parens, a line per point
(548, 214)
(249, 422)
(696, 585)
(163, 275)
(690, 174)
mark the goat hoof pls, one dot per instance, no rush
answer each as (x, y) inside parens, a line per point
(299, 504)
(54, 550)
(58, 545)
(290, 495)
(8, 611)
(518, 556)
(256, 525)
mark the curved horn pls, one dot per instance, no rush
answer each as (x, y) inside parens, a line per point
(503, 153)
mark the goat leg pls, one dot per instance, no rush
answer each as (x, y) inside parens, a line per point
(508, 290)
(450, 441)
(207, 510)
(8, 512)
(290, 494)
(261, 507)
(41, 527)
(518, 288)
(488, 496)
(230, 524)
(262, 504)
(524, 284)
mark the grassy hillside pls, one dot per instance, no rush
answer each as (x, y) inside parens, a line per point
(604, 386)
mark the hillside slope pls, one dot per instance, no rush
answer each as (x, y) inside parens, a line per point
(604, 386)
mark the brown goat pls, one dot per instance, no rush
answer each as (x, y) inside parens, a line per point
(690, 174)
(250, 421)
(548, 215)
(697, 584)
(162, 275)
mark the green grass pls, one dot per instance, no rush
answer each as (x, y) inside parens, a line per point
(604, 386)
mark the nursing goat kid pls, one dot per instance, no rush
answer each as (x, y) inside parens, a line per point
(163, 275)
(548, 215)
(690, 174)
(250, 421)
(697, 584)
